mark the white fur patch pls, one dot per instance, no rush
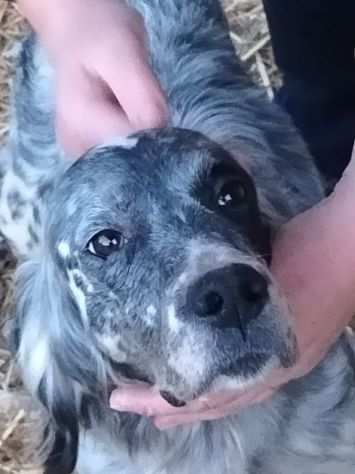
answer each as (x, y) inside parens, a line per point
(63, 249)
(16, 231)
(183, 278)
(124, 142)
(150, 315)
(36, 360)
(111, 345)
(189, 358)
(152, 310)
(173, 322)
(78, 293)
(214, 255)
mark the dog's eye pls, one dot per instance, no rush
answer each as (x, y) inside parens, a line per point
(232, 194)
(106, 242)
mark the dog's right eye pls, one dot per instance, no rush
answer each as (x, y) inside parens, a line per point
(105, 243)
(232, 194)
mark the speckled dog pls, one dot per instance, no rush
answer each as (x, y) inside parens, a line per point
(148, 258)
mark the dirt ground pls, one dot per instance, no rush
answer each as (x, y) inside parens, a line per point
(17, 417)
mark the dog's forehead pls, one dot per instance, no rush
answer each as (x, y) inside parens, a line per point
(131, 182)
(145, 163)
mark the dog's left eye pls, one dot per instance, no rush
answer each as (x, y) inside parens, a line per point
(105, 243)
(232, 194)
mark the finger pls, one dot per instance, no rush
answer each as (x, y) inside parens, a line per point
(148, 401)
(144, 401)
(167, 422)
(88, 119)
(135, 86)
(239, 398)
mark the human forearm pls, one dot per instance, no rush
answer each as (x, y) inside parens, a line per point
(314, 260)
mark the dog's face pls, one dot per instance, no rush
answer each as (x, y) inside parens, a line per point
(163, 247)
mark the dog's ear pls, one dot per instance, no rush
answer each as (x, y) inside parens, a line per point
(45, 328)
(64, 452)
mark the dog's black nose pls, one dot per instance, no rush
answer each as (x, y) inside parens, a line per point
(230, 296)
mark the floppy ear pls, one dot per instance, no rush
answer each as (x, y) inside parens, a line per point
(43, 305)
(56, 358)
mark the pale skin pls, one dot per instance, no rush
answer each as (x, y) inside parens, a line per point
(103, 77)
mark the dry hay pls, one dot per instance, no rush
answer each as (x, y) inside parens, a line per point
(17, 416)
(251, 38)
(17, 419)
(11, 27)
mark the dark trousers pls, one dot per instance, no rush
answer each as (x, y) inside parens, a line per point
(314, 42)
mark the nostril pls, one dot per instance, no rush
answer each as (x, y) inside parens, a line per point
(253, 293)
(255, 289)
(210, 304)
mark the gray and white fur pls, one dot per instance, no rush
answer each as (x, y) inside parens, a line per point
(147, 259)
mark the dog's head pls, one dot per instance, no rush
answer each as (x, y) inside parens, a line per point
(153, 267)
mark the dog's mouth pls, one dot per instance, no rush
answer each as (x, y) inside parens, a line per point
(133, 375)
(171, 399)
(130, 373)
(246, 368)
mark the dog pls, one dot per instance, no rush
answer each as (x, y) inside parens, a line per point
(148, 259)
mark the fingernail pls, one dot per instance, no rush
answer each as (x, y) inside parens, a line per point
(117, 401)
(123, 406)
(116, 405)
(120, 403)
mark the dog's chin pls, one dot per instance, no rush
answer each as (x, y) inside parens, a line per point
(245, 372)
(234, 375)
(239, 375)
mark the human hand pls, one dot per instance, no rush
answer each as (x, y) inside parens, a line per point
(105, 86)
(314, 261)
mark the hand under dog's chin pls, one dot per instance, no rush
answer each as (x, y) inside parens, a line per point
(227, 380)
(238, 374)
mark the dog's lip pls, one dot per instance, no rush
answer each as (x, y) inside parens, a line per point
(130, 373)
(131, 376)
(171, 399)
